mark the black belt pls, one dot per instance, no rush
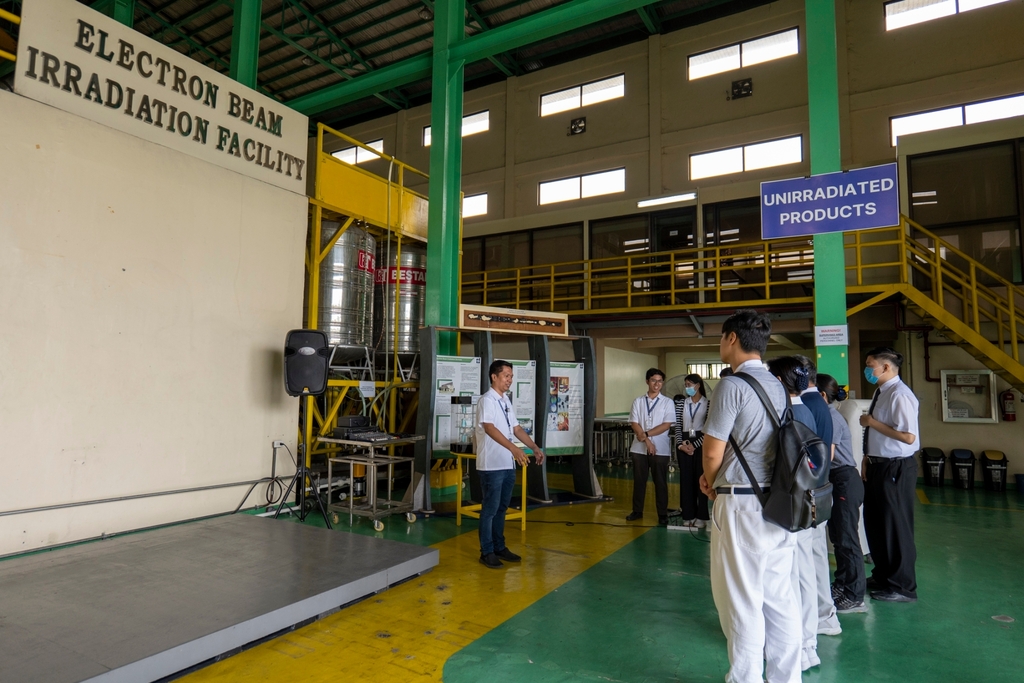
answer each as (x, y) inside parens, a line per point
(878, 460)
(739, 490)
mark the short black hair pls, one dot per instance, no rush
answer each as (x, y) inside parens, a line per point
(887, 354)
(752, 330)
(725, 372)
(791, 371)
(811, 368)
(497, 366)
(828, 385)
(654, 371)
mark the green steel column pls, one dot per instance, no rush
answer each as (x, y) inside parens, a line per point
(122, 11)
(823, 105)
(443, 233)
(245, 41)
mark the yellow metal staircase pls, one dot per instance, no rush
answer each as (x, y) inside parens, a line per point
(959, 297)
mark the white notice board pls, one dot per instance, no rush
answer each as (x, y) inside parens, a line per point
(564, 435)
(453, 376)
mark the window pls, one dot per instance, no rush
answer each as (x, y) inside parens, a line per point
(747, 53)
(710, 370)
(479, 122)
(747, 158)
(976, 112)
(358, 155)
(583, 95)
(908, 12)
(474, 205)
(582, 187)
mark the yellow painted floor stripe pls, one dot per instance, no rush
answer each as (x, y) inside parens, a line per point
(409, 632)
(922, 497)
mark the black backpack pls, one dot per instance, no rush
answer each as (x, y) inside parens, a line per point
(801, 494)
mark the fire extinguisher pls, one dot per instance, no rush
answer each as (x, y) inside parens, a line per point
(1006, 400)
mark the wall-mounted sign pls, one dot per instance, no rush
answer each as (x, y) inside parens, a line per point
(74, 58)
(860, 199)
(512, 320)
(831, 335)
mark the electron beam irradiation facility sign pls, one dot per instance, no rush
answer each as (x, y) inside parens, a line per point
(859, 199)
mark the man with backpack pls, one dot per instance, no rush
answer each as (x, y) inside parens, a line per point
(751, 558)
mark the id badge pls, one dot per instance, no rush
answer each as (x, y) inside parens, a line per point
(693, 433)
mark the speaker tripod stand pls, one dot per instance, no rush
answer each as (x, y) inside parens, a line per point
(298, 482)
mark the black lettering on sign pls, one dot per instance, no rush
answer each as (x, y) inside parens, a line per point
(259, 153)
(233, 148)
(163, 65)
(275, 126)
(93, 91)
(299, 163)
(131, 100)
(268, 163)
(201, 127)
(72, 74)
(195, 88)
(85, 34)
(234, 105)
(109, 56)
(138, 64)
(247, 111)
(50, 66)
(280, 160)
(31, 70)
(171, 119)
(245, 149)
(124, 55)
(160, 108)
(211, 95)
(179, 80)
(113, 87)
(183, 129)
(261, 120)
(145, 114)
(223, 135)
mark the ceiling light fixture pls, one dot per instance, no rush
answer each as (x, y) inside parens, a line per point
(426, 14)
(688, 197)
(308, 61)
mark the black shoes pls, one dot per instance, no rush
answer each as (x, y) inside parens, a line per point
(891, 596)
(508, 555)
(491, 561)
(662, 521)
(873, 584)
(633, 516)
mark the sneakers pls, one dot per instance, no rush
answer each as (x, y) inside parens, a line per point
(845, 605)
(508, 555)
(698, 524)
(809, 658)
(837, 594)
(662, 521)
(491, 561)
(891, 596)
(633, 516)
(830, 629)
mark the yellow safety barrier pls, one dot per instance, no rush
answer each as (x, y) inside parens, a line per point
(14, 19)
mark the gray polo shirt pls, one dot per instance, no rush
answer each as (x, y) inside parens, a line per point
(842, 439)
(739, 412)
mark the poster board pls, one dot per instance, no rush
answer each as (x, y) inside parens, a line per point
(453, 376)
(564, 419)
(523, 394)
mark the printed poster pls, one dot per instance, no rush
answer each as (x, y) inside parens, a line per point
(522, 394)
(453, 376)
(564, 435)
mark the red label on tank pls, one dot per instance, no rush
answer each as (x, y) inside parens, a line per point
(410, 276)
(366, 261)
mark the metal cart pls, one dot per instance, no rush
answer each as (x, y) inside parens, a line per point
(371, 505)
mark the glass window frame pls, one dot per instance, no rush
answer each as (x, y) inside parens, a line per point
(740, 44)
(578, 88)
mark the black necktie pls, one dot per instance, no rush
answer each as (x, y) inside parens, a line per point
(874, 400)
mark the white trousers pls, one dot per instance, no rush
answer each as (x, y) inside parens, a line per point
(827, 618)
(805, 588)
(752, 564)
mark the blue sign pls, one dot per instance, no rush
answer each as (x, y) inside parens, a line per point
(860, 199)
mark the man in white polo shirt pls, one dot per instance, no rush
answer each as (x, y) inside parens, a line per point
(651, 418)
(496, 458)
(891, 437)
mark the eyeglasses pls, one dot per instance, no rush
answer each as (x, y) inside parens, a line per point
(657, 381)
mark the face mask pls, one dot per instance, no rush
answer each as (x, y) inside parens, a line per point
(869, 375)
(690, 391)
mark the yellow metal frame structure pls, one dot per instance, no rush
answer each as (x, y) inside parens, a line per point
(474, 510)
(14, 19)
(388, 209)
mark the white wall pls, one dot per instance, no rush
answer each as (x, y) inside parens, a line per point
(623, 381)
(144, 297)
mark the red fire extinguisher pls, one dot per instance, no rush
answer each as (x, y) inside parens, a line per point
(1006, 400)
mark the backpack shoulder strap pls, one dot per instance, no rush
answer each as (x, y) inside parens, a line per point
(765, 401)
(756, 386)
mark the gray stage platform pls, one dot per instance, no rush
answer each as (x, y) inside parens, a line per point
(141, 607)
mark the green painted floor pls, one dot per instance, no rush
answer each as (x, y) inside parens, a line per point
(645, 613)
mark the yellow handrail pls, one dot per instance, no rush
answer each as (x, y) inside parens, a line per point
(14, 19)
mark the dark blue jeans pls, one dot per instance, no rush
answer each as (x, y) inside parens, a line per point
(497, 493)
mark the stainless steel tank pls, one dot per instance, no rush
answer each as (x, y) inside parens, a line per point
(346, 290)
(411, 298)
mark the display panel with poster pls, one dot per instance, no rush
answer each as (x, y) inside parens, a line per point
(564, 422)
(523, 393)
(453, 376)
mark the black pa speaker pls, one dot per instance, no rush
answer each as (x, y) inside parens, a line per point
(306, 354)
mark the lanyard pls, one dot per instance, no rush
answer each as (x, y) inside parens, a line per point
(692, 409)
(504, 409)
(650, 406)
